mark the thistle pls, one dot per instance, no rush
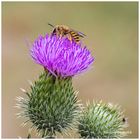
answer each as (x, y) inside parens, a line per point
(51, 104)
(60, 56)
(100, 120)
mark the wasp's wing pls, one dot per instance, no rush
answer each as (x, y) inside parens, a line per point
(79, 33)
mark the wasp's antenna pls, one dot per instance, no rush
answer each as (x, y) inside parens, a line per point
(51, 25)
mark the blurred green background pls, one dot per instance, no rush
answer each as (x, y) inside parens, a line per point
(112, 36)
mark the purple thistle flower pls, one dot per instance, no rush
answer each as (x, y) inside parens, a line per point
(60, 56)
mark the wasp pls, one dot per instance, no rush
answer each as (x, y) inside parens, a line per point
(65, 31)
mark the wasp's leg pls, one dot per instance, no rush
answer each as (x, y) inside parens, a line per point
(69, 37)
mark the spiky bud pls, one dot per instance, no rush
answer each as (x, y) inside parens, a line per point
(51, 104)
(101, 120)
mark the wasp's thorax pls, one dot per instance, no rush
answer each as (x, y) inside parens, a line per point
(61, 30)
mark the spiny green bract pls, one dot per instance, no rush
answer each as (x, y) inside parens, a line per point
(100, 120)
(51, 104)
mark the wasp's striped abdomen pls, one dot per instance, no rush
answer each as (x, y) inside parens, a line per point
(75, 36)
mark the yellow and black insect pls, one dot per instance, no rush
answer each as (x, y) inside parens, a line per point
(63, 30)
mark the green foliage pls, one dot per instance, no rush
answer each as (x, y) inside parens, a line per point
(51, 105)
(100, 120)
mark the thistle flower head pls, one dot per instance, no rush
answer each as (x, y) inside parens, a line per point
(60, 56)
